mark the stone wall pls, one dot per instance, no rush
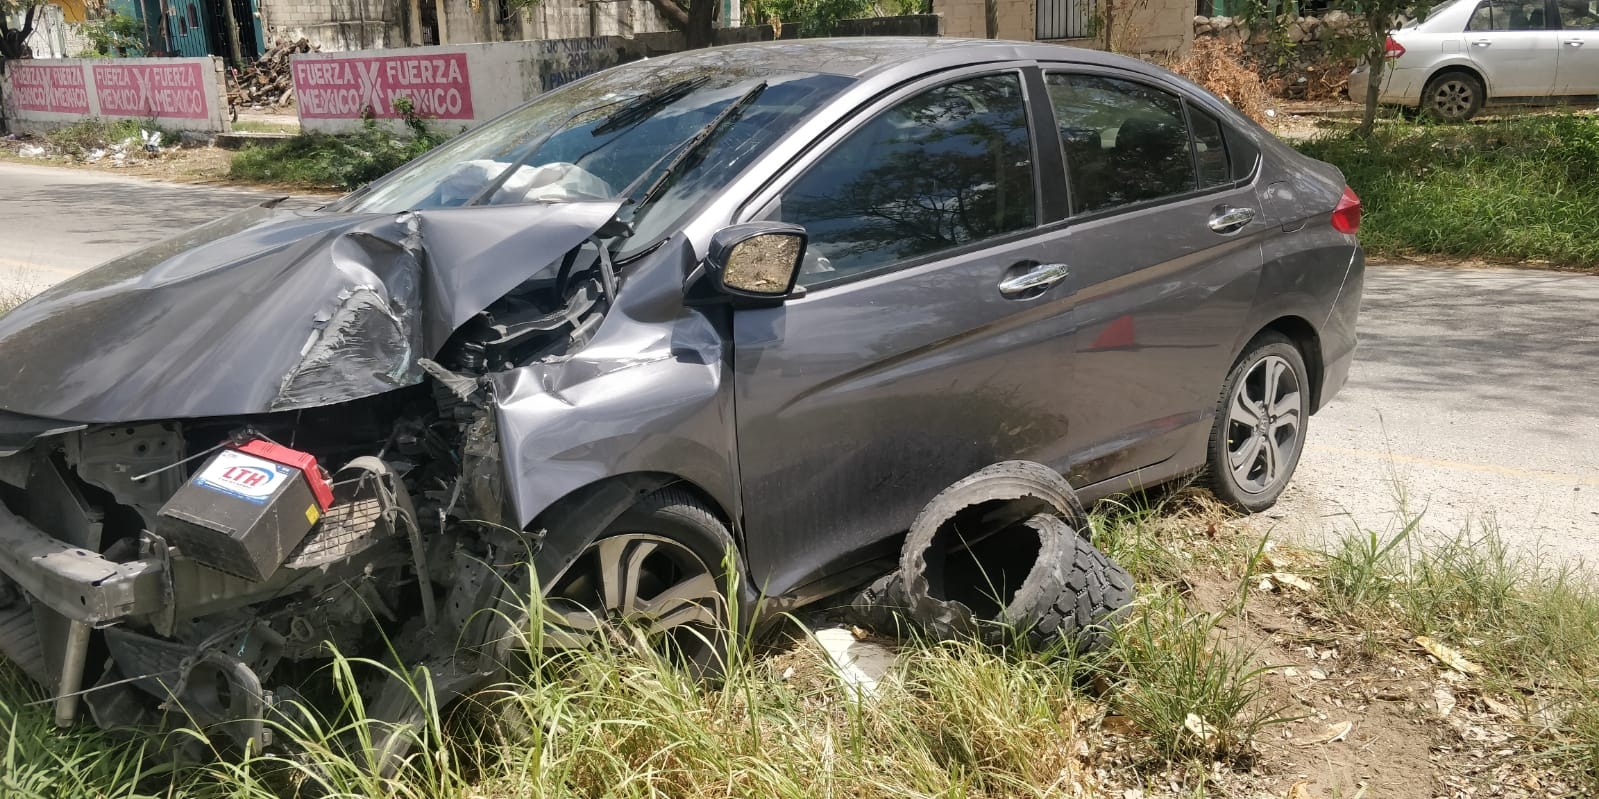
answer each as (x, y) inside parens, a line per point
(1301, 58)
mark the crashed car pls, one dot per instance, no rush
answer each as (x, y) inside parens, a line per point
(740, 311)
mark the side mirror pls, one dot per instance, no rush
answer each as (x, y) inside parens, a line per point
(756, 263)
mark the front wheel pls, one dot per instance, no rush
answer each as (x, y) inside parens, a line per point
(654, 579)
(1260, 424)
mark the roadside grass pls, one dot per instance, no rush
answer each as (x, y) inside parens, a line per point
(1182, 697)
(1521, 188)
(80, 139)
(344, 162)
(10, 298)
(291, 125)
(1526, 629)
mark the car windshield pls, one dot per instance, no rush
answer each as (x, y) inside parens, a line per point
(615, 132)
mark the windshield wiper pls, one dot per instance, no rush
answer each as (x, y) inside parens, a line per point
(694, 149)
(645, 106)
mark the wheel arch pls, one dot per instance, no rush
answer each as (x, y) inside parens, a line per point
(1457, 66)
(1307, 340)
(568, 525)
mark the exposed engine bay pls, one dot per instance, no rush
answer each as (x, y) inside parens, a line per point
(199, 571)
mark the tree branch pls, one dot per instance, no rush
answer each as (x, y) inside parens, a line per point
(674, 13)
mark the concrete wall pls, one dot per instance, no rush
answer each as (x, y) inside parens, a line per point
(53, 36)
(338, 24)
(910, 25)
(1152, 27)
(348, 25)
(460, 85)
(172, 93)
(1140, 26)
(965, 18)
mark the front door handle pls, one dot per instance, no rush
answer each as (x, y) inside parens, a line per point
(1226, 220)
(1034, 281)
(1574, 43)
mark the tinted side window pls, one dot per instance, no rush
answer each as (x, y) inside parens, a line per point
(1210, 149)
(1507, 15)
(949, 166)
(1124, 142)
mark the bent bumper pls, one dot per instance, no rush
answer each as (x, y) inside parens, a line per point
(74, 582)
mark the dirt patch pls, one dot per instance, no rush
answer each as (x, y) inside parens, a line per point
(1371, 713)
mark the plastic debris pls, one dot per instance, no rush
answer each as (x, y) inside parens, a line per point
(1447, 655)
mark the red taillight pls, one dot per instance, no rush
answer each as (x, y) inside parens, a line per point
(1392, 49)
(1346, 216)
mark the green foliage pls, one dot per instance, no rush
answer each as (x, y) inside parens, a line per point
(1524, 188)
(343, 162)
(815, 17)
(114, 34)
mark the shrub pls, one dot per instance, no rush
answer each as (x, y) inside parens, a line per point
(344, 162)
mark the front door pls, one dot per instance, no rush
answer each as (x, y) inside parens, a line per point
(917, 355)
(1577, 71)
(1164, 248)
(1515, 46)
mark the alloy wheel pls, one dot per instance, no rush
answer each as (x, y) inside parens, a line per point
(638, 591)
(1264, 422)
(1453, 98)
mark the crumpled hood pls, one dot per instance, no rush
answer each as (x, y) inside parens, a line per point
(271, 310)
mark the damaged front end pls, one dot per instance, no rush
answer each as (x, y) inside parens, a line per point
(325, 473)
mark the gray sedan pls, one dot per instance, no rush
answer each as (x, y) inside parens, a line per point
(737, 311)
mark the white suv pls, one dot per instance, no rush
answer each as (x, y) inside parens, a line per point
(1469, 51)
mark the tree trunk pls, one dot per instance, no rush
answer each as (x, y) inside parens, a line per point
(701, 21)
(234, 51)
(14, 43)
(695, 20)
(991, 18)
(1378, 58)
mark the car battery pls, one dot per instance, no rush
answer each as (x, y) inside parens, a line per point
(246, 509)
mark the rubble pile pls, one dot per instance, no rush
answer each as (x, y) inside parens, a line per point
(267, 82)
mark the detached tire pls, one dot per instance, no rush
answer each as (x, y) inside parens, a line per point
(996, 555)
(1093, 595)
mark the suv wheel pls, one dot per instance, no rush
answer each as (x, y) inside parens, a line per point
(1260, 424)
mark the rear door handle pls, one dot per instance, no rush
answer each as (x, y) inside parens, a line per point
(1574, 43)
(1034, 281)
(1225, 220)
(1481, 43)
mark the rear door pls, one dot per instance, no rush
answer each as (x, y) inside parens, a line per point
(1164, 247)
(910, 361)
(1577, 71)
(1515, 45)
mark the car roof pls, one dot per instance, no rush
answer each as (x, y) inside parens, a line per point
(867, 56)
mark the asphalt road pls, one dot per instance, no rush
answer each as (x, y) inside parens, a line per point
(1474, 399)
(57, 222)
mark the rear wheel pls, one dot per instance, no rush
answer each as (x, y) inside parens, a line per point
(1453, 96)
(653, 580)
(1260, 424)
